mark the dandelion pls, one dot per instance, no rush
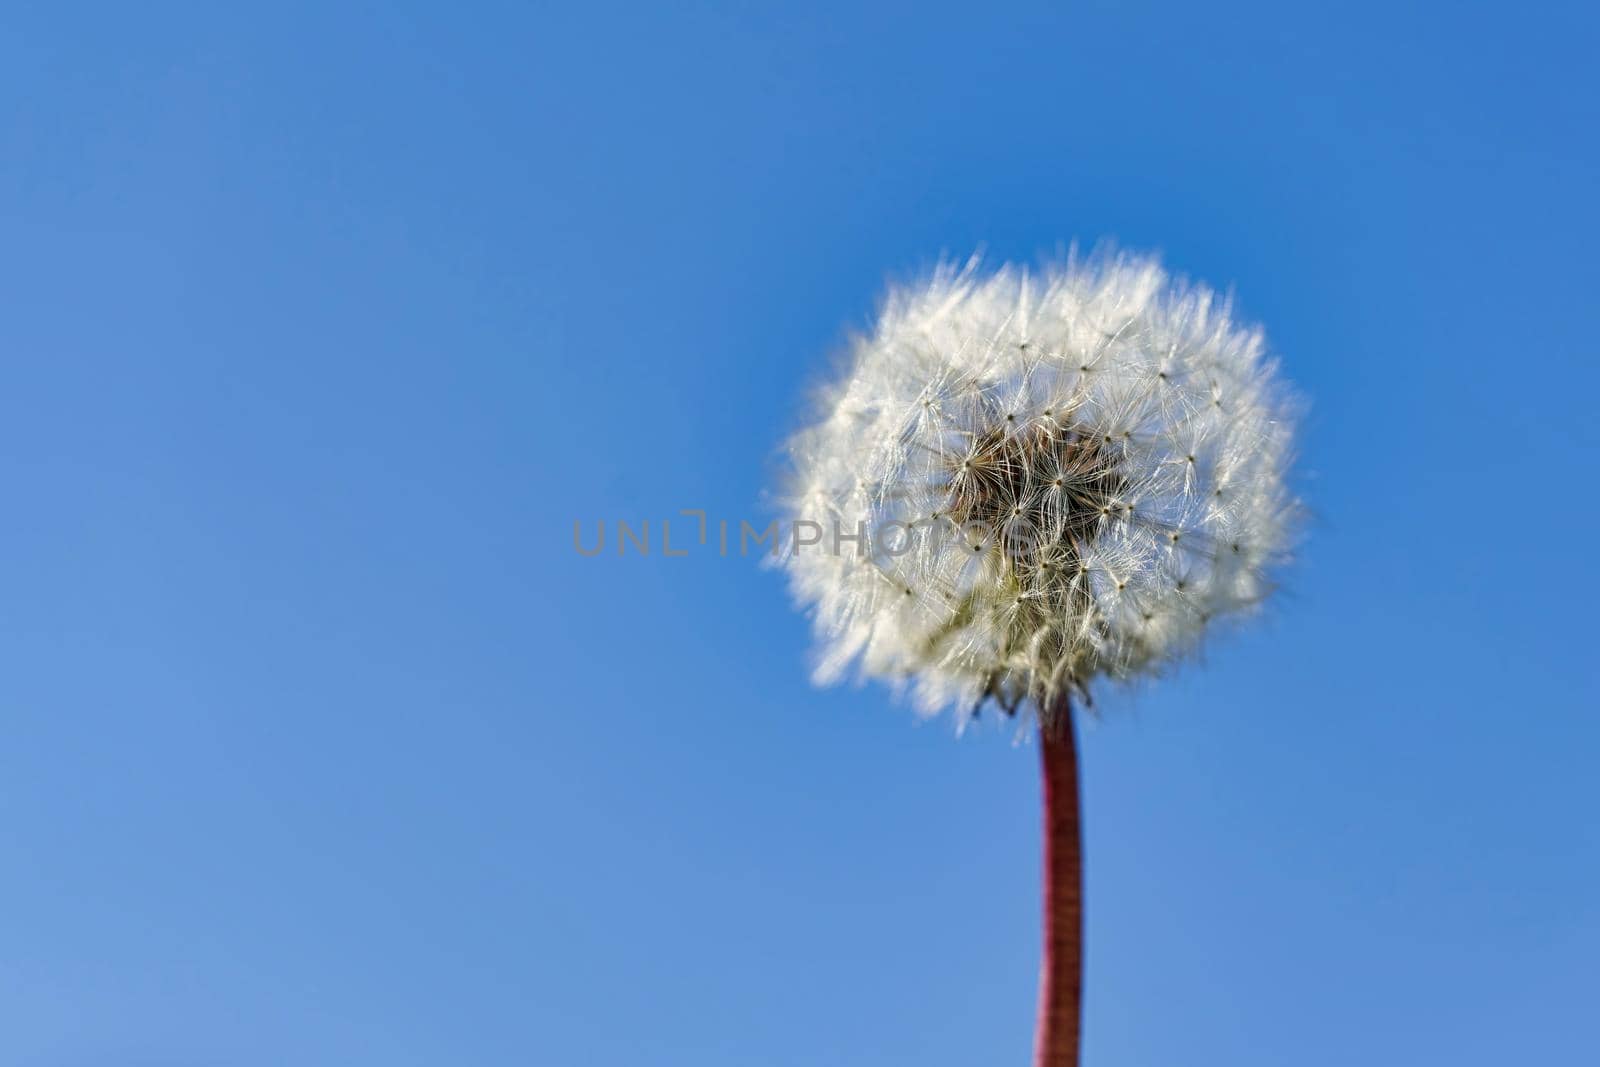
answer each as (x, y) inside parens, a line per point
(1084, 472)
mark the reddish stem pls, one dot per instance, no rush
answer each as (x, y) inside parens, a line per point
(1061, 972)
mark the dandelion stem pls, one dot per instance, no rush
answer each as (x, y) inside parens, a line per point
(1061, 972)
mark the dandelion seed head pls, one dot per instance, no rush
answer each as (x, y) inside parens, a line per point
(1091, 460)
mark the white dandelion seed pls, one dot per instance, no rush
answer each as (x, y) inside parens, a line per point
(1067, 475)
(1090, 461)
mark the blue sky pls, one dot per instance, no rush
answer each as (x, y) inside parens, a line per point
(321, 745)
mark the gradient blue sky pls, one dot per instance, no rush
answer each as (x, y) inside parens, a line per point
(319, 744)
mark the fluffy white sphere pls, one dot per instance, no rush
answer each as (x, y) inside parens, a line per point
(1028, 480)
